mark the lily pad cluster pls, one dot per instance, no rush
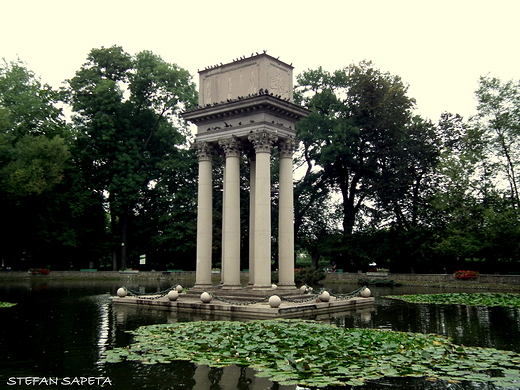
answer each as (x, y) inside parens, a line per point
(6, 304)
(314, 354)
(477, 299)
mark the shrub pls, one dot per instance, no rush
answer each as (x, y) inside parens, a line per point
(309, 275)
(465, 275)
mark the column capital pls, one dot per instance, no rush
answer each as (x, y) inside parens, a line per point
(231, 146)
(204, 151)
(262, 140)
(287, 146)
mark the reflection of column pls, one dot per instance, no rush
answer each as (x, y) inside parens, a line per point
(262, 141)
(286, 216)
(201, 377)
(252, 188)
(231, 228)
(204, 216)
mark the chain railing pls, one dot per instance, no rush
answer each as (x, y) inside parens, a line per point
(161, 294)
(303, 300)
(143, 295)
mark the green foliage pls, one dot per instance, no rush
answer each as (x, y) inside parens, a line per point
(477, 299)
(35, 158)
(357, 133)
(309, 275)
(37, 165)
(33, 150)
(314, 354)
(130, 137)
(6, 304)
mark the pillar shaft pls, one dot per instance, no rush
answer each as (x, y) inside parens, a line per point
(286, 217)
(262, 142)
(252, 189)
(204, 217)
(231, 226)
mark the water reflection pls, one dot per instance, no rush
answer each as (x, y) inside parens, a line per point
(62, 328)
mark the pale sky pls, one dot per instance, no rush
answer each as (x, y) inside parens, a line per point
(440, 48)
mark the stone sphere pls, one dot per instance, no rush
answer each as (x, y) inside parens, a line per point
(365, 293)
(274, 301)
(303, 289)
(205, 297)
(324, 296)
(121, 292)
(179, 288)
(173, 295)
(274, 286)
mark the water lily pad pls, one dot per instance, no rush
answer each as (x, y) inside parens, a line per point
(353, 356)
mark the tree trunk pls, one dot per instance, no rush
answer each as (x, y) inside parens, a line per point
(124, 228)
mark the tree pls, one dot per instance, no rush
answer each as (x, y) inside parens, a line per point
(498, 118)
(356, 129)
(33, 148)
(34, 156)
(127, 124)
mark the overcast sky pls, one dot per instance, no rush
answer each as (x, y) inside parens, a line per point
(440, 48)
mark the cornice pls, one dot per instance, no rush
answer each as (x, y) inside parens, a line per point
(245, 106)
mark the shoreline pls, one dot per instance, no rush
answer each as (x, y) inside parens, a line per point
(485, 282)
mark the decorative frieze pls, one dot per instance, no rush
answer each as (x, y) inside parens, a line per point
(263, 141)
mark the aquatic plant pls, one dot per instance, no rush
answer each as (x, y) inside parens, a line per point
(314, 354)
(6, 304)
(477, 299)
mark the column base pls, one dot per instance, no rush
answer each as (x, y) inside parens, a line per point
(286, 286)
(262, 287)
(202, 286)
(231, 287)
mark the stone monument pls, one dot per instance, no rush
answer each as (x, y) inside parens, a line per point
(246, 109)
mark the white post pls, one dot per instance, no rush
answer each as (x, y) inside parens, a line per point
(231, 229)
(262, 141)
(286, 216)
(204, 216)
(252, 189)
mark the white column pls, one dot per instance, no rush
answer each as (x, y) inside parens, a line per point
(252, 189)
(286, 216)
(223, 222)
(231, 228)
(204, 216)
(262, 141)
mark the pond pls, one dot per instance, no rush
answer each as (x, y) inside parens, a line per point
(59, 329)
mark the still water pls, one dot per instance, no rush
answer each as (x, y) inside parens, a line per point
(58, 331)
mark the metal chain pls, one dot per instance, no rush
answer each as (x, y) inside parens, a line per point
(160, 294)
(239, 302)
(157, 295)
(311, 298)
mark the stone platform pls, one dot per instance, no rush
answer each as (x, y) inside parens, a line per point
(250, 305)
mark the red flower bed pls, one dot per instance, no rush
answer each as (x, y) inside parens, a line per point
(39, 271)
(466, 275)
